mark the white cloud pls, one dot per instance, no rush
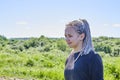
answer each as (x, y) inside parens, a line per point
(105, 24)
(22, 23)
(116, 25)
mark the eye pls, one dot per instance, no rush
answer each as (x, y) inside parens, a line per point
(65, 35)
(69, 35)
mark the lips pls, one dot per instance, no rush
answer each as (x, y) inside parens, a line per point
(69, 42)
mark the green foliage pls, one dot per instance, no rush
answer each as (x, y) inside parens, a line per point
(107, 45)
(103, 37)
(103, 47)
(116, 52)
(117, 42)
(111, 68)
(3, 38)
(47, 48)
(43, 58)
(61, 45)
(3, 41)
(32, 66)
(30, 63)
(32, 42)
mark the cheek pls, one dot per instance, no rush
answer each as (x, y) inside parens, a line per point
(73, 40)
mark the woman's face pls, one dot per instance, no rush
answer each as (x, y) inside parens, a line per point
(72, 37)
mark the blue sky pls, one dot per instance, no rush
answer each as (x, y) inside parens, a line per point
(33, 18)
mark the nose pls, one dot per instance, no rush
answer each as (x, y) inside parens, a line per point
(67, 39)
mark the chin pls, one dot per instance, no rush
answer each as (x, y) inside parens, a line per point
(70, 46)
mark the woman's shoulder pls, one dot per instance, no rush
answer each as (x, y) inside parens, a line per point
(94, 57)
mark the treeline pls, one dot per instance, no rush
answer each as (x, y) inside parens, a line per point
(42, 44)
(107, 45)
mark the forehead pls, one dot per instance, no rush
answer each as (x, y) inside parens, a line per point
(69, 30)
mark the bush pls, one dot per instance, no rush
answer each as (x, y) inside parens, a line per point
(47, 48)
(29, 63)
(61, 45)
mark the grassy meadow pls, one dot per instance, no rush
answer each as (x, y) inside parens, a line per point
(44, 58)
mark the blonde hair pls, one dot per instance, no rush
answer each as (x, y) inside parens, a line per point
(82, 26)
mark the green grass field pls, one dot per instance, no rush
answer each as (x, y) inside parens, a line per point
(47, 66)
(44, 58)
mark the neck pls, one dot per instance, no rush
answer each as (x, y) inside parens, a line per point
(77, 49)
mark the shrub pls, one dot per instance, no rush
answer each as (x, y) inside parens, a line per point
(61, 45)
(29, 63)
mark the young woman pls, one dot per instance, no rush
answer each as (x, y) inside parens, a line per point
(83, 63)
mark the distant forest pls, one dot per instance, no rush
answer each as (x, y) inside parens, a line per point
(107, 45)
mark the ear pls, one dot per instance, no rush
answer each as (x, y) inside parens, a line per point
(82, 36)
